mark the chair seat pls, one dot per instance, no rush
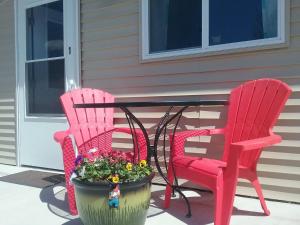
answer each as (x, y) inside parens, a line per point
(198, 164)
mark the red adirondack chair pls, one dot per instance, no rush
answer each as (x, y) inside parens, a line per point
(90, 128)
(253, 110)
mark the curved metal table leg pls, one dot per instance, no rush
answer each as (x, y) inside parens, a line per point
(166, 119)
(152, 149)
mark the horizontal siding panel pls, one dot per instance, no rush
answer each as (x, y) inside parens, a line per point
(5, 124)
(114, 53)
(6, 115)
(7, 84)
(114, 43)
(279, 169)
(286, 143)
(114, 23)
(9, 66)
(167, 90)
(90, 15)
(287, 129)
(7, 100)
(278, 182)
(295, 3)
(274, 187)
(8, 160)
(281, 155)
(180, 79)
(295, 14)
(7, 154)
(12, 139)
(175, 73)
(2, 108)
(295, 42)
(289, 136)
(250, 62)
(7, 147)
(111, 63)
(270, 194)
(290, 116)
(94, 5)
(295, 29)
(7, 131)
(113, 34)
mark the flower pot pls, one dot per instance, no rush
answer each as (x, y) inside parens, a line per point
(93, 208)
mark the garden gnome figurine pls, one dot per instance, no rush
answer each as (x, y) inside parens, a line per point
(113, 198)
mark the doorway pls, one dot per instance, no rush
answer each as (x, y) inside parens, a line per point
(48, 65)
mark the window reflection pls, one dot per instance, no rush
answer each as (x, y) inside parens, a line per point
(44, 31)
(44, 86)
(235, 21)
(175, 24)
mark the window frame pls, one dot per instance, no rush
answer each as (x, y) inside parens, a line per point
(279, 41)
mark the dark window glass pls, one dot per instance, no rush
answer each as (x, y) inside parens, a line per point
(44, 86)
(235, 21)
(175, 24)
(44, 31)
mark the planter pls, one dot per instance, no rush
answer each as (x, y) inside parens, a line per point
(93, 208)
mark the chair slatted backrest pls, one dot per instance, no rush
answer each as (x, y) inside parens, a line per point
(254, 107)
(86, 123)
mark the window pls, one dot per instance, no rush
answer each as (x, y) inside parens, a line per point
(180, 27)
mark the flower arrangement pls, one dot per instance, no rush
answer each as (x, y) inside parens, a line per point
(110, 166)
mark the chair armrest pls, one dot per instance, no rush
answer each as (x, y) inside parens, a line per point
(177, 141)
(127, 130)
(256, 143)
(192, 133)
(60, 136)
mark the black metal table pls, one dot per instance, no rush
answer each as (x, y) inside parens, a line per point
(181, 106)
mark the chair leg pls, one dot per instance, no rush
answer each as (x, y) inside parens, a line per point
(71, 198)
(169, 191)
(229, 189)
(258, 190)
(218, 206)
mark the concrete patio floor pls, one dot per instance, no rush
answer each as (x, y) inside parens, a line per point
(26, 205)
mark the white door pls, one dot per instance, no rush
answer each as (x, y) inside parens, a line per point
(48, 65)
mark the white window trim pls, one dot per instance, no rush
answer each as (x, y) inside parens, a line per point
(280, 41)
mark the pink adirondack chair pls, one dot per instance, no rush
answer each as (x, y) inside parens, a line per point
(253, 110)
(91, 128)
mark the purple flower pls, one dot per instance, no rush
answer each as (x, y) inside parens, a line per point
(78, 160)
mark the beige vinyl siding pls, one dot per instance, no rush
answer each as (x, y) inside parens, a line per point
(7, 84)
(110, 61)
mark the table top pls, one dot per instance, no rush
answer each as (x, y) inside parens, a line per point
(152, 104)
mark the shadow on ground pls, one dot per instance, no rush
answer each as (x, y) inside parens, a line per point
(202, 205)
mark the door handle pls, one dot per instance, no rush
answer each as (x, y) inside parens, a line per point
(72, 85)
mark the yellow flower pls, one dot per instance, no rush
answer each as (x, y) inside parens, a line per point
(143, 163)
(129, 166)
(115, 179)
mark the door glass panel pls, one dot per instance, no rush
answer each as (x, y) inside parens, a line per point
(44, 31)
(235, 21)
(44, 85)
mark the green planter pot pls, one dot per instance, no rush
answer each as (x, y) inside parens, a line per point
(92, 202)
